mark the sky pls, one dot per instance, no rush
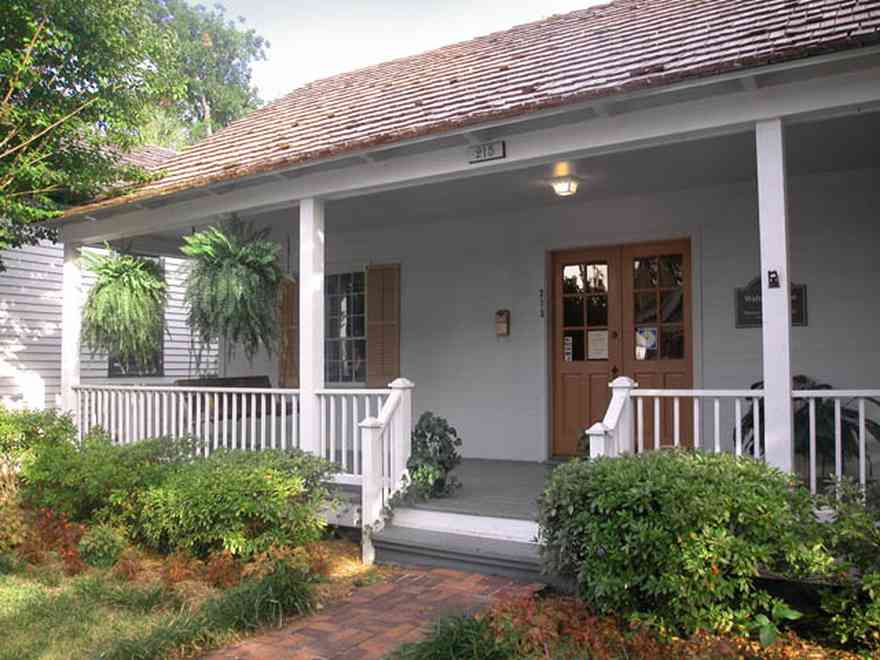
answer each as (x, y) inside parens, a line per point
(312, 39)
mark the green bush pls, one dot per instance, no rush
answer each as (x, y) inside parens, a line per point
(434, 455)
(238, 501)
(22, 430)
(678, 536)
(101, 546)
(458, 637)
(100, 480)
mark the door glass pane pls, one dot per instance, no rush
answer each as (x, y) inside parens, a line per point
(645, 273)
(573, 346)
(597, 311)
(573, 310)
(573, 279)
(646, 343)
(671, 308)
(670, 271)
(645, 309)
(672, 343)
(597, 278)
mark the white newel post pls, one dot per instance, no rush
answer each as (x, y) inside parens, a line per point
(71, 320)
(311, 320)
(616, 433)
(403, 430)
(775, 294)
(371, 484)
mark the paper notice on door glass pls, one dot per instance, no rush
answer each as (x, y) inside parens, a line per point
(568, 348)
(597, 345)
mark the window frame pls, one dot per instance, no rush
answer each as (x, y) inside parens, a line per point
(333, 294)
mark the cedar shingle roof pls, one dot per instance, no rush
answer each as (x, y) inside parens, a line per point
(602, 51)
(149, 156)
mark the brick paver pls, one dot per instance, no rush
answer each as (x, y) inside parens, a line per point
(377, 619)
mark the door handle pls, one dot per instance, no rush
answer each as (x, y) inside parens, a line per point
(614, 372)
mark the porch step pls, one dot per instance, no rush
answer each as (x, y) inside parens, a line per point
(408, 546)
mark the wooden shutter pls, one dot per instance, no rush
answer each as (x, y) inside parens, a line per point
(288, 367)
(383, 324)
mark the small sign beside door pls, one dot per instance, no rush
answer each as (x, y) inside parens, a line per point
(480, 153)
(747, 305)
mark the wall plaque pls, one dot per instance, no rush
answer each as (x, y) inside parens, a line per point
(480, 153)
(747, 305)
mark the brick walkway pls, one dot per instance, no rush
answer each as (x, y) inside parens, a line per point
(377, 619)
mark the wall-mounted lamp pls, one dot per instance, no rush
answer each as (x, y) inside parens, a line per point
(565, 186)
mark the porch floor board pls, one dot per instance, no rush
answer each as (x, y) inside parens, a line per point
(502, 489)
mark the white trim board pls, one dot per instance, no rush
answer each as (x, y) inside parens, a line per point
(504, 529)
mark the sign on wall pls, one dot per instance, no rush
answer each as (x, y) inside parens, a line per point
(480, 153)
(747, 305)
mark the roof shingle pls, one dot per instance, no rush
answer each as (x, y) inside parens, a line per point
(605, 50)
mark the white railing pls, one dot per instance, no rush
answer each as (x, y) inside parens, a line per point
(849, 427)
(386, 444)
(639, 419)
(221, 417)
(341, 412)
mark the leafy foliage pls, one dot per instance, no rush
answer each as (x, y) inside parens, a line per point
(434, 455)
(825, 434)
(238, 501)
(678, 536)
(22, 430)
(77, 79)
(457, 637)
(11, 522)
(215, 56)
(233, 287)
(101, 546)
(101, 480)
(124, 313)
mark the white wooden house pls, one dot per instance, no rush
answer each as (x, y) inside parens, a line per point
(512, 222)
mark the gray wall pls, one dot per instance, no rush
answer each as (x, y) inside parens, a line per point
(456, 272)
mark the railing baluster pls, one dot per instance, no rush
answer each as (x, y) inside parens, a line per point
(199, 431)
(343, 429)
(716, 409)
(676, 431)
(189, 414)
(322, 444)
(356, 455)
(273, 417)
(812, 443)
(737, 412)
(656, 422)
(838, 444)
(862, 449)
(263, 422)
(253, 439)
(696, 422)
(294, 422)
(225, 421)
(165, 414)
(283, 422)
(640, 425)
(216, 421)
(234, 421)
(756, 410)
(332, 438)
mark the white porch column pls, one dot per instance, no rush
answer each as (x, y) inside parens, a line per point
(775, 294)
(71, 320)
(311, 319)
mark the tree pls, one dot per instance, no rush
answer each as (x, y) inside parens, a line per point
(215, 60)
(78, 78)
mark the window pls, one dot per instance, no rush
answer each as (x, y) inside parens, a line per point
(156, 365)
(345, 350)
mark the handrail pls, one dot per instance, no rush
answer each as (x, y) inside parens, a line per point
(834, 394)
(684, 394)
(352, 391)
(184, 389)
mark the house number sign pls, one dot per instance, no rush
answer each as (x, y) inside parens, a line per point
(480, 153)
(747, 303)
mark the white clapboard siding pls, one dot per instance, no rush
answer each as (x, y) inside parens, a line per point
(30, 329)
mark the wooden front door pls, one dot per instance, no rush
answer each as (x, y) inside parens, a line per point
(619, 310)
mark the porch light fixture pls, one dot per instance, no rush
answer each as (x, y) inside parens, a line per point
(565, 186)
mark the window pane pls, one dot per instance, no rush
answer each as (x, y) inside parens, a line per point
(573, 346)
(671, 307)
(645, 273)
(357, 304)
(645, 307)
(572, 279)
(358, 327)
(331, 350)
(597, 310)
(345, 283)
(334, 327)
(573, 310)
(670, 271)
(358, 281)
(646, 343)
(597, 277)
(331, 372)
(360, 372)
(360, 349)
(672, 346)
(331, 285)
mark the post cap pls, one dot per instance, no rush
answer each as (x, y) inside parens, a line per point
(623, 381)
(597, 429)
(401, 384)
(371, 423)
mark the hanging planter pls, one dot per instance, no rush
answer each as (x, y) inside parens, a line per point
(124, 313)
(233, 287)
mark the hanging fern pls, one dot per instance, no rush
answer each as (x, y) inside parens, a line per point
(124, 313)
(233, 287)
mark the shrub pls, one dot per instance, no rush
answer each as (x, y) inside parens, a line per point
(11, 522)
(677, 536)
(853, 537)
(100, 478)
(434, 455)
(238, 501)
(101, 546)
(22, 430)
(458, 637)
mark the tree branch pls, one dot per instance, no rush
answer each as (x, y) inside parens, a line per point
(24, 61)
(48, 128)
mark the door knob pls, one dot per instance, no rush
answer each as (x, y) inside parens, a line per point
(614, 372)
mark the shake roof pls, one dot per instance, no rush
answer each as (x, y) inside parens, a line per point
(602, 51)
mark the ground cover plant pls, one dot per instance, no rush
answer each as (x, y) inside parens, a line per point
(435, 453)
